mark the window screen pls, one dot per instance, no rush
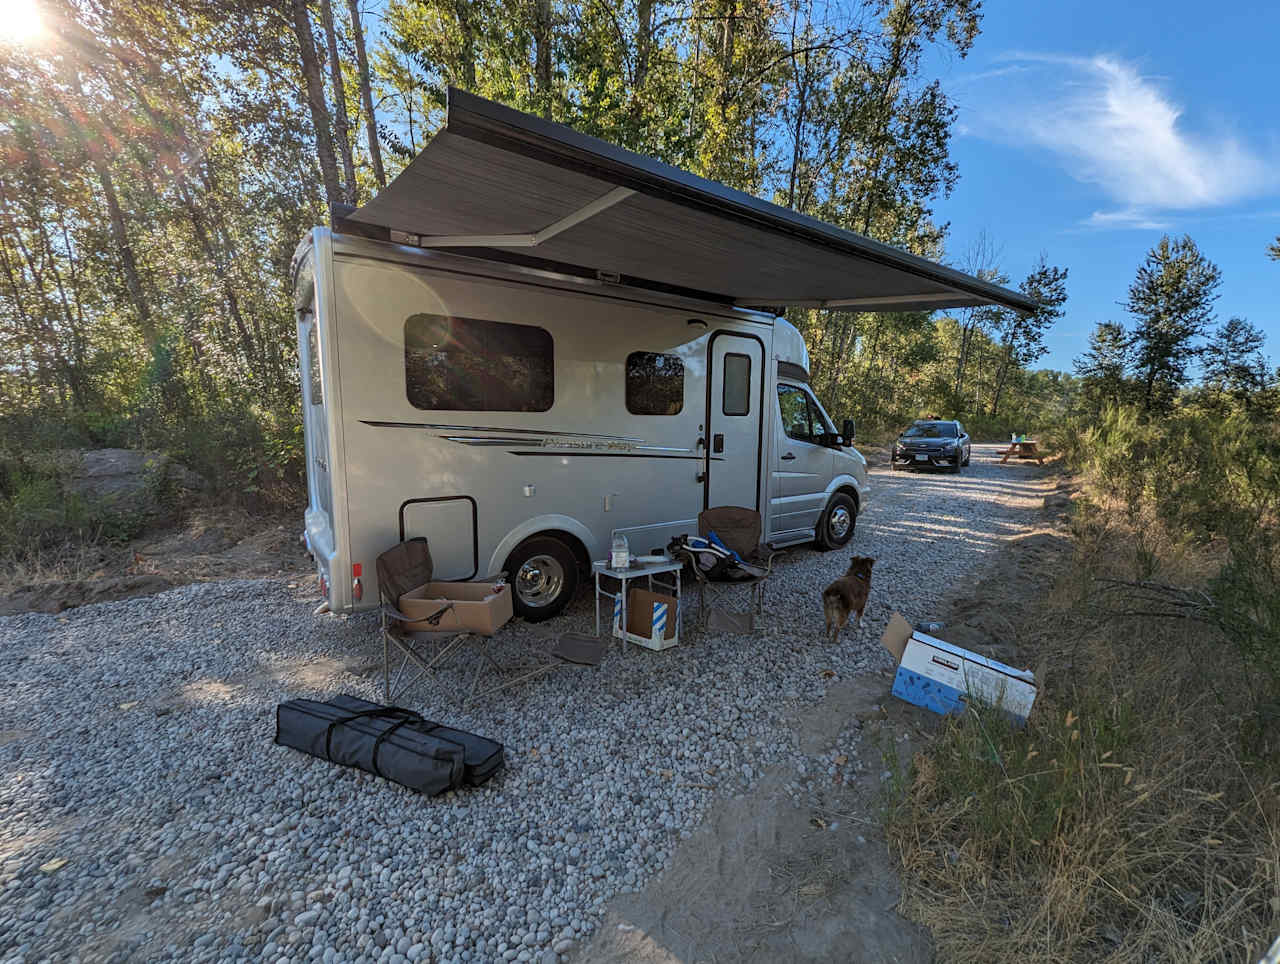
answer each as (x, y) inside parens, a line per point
(736, 398)
(655, 384)
(313, 357)
(467, 365)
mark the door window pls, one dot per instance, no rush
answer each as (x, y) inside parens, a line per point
(736, 397)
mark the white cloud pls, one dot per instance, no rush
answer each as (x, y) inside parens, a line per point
(1112, 127)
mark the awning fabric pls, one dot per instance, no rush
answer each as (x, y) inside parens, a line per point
(498, 183)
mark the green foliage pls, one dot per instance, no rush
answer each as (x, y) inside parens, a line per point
(38, 511)
(1207, 478)
(1172, 298)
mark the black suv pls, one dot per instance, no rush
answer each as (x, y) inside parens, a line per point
(931, 442)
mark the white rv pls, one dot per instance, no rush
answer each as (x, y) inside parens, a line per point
(518, 411)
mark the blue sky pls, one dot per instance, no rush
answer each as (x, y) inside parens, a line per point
(1087, 130)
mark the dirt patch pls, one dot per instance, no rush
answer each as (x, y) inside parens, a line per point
(765, 880)
(210, 544)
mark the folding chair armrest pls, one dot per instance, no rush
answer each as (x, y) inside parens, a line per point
(391, 612)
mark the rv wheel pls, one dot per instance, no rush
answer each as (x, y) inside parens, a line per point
(835, 528)
(544, 575)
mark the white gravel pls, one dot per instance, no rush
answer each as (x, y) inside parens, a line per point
(145, 813)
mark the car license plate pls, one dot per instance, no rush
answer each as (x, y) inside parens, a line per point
(922, 458)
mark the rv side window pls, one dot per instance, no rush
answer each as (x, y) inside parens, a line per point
(655, 384)
(313, 356)
(468, 365)
(736, 398)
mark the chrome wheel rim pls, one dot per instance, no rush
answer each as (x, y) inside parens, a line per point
(841, 522)
(539, 581)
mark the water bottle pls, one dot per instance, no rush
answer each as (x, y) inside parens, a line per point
(620, 557)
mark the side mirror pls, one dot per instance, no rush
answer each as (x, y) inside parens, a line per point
(847, 431)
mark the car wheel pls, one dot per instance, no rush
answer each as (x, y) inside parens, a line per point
(967, 453)
(895, 467)
(543, 573)
(955, 466)
(836, 526)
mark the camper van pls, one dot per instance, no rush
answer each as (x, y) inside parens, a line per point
(533, 340)
(519, 423)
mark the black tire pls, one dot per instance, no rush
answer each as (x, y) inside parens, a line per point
(832, 531)
(543, 573)
(965, 463)
(955, 466)
(895, 467)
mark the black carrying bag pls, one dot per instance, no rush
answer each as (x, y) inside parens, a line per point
(387, 741)
(481, 756)
(381, 741)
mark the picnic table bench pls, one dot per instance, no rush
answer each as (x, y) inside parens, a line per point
(1026, 449)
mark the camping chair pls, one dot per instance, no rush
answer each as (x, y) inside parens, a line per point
(737, 529)
(408, 566)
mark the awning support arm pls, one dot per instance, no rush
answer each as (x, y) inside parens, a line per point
(587, 211)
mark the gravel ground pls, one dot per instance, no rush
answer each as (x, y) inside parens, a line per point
(146, 815)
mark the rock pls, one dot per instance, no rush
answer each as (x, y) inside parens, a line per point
(563, 946)
(128, 480)
(307, 918)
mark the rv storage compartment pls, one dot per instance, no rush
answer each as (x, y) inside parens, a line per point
(383, 740)
(458, 607)
(481, 757)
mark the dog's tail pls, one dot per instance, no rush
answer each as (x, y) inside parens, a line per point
(833, 607)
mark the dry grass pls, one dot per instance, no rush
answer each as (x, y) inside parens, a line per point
(1135, 818)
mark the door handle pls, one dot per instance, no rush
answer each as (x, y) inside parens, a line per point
(788, 457)
(717, 443)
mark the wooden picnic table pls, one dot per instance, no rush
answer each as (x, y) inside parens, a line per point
(1026, 449)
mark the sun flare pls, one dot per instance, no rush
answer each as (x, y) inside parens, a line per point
(20, 21)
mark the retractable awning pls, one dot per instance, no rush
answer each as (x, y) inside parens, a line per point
(502, 184)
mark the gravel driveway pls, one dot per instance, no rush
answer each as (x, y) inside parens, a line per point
(145, 813)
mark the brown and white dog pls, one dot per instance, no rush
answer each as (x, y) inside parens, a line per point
(847, 595)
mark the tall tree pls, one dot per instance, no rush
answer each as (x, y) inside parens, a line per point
(316, 103)
(1234, 366)
(342, 127)
(1172, 297)
(1022, 336)
(1273, 249)
(1105, 366)
(366, 94)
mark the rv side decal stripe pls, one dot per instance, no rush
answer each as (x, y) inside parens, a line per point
(490, 428)
(579, 454)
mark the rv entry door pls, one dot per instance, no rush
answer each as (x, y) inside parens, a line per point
(734, 403)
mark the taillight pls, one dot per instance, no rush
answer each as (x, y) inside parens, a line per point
(357, 587)
(324, 586)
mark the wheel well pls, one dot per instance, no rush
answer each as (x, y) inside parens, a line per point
(569, 539)
(852, 493)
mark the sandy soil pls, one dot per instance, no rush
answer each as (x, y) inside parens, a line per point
(211, 543)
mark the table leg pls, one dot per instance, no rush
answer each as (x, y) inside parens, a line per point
(625, 623)
(597, 605)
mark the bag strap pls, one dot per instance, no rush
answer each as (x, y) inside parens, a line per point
(390, 712)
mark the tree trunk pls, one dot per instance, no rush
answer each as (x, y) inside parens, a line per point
(128, 263)
(366, 94)
(93, 147)
(542, 55)
(462, 10)
(341, 125)
(316, 102)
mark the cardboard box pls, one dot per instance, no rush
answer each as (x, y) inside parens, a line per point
(642, 608)
(943, 677)
(470, 607)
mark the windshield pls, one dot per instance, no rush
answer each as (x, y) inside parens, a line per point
(931, 430)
